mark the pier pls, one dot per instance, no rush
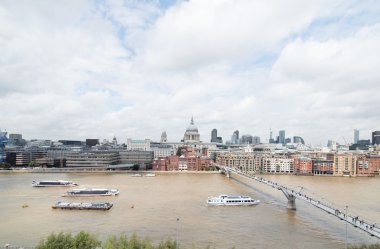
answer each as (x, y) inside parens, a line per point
(292, 194)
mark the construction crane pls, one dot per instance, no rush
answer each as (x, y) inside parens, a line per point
(3, 141)
(345, 142)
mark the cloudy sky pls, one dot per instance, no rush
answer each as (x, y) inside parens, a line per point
(81, 69)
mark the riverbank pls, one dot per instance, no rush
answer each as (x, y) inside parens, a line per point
(101, 170)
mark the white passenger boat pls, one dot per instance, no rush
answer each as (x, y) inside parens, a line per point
(232, 200)
(53, 183)
(84, 192)
(150, 175)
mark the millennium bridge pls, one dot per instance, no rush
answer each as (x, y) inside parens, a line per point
(292, 194)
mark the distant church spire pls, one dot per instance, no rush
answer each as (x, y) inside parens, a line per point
(192, 120)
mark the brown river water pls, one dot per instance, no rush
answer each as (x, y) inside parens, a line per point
(150, 206)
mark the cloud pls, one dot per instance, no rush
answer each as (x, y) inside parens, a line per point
(331, 82)
(197, 33)
(73, 70)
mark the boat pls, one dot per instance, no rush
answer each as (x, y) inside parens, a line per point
(232, 200)
(91, 192)
(136, 175)
(150, 175)
(58, 183)
(82, 205)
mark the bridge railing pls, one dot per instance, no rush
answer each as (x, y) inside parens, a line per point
(370, 227)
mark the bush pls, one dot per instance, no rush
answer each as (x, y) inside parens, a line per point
(5, 165)
(364, 246)
(82, 240)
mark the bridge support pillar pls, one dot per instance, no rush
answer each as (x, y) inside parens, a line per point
(291, 199)
(228, 174)
(291, 202)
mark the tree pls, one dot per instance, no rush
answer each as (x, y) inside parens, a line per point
(167, 244)
(5, 166)
(82, 240)
(57, 241)
(364, 246)
(33, 163)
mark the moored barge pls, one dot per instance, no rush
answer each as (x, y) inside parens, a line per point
(54, 183)
(83, 205)
(87, 192)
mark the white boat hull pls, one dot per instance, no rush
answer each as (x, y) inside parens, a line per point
(225, 200)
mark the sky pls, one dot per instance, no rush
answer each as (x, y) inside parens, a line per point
(135, 68)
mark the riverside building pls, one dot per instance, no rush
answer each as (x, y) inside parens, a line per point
(93, 159)
(344, 163)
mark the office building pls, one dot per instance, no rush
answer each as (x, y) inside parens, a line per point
(141, 158)
(281, 137)
(214, 137)
(246, 139)
(356, 136)
(138, 145)
(376, 138)
(271, 140)
(298, 140)
(162, 150)
(235, 137)
(98, 159)
(92, 142)
(256, 140)
(164, 137)
(71, 143)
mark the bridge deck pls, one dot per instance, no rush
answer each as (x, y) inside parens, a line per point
(369, 227)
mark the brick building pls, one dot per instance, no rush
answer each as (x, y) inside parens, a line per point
(303, 166)
(368, 165)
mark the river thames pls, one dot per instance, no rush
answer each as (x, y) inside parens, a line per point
(150, 206)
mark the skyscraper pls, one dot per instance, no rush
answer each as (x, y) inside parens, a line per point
(214, 135)
(235, 137)
(246, 139)
(256, 140)
(281, 137)
(164, 137)
(376, 138)
(356, 136)
(298, 140)
(271, 140)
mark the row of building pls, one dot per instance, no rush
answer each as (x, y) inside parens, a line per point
(335, 164)
(194, 155)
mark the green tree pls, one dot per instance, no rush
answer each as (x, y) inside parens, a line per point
(5, 165)
(167, 244)
(111, 243)
(33, 163)
(57, 241)
(364, 246)
(82, 240)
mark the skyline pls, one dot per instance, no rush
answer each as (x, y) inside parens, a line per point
(227, 140)
(133, 69)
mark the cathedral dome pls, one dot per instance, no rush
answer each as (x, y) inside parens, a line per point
(192, 127)
(191, 134)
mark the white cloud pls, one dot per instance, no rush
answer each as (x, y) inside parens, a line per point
(129, 68)
(331, 83)
(198, 32)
